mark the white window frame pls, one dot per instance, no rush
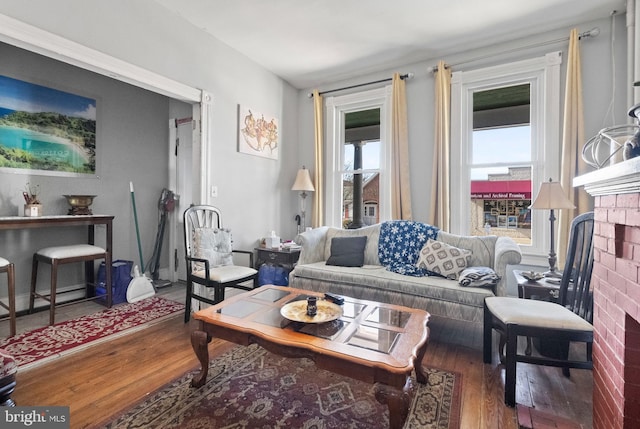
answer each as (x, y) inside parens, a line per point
(336, 109)
(543, 74)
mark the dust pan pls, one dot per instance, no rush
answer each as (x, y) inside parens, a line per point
(140, 286)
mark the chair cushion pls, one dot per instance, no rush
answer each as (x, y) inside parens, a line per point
(227, 273)
(8, 364)
(71, 251)
(3, 262)
(214, 245)
(529, 312)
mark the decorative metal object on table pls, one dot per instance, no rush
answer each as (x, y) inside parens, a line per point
(532, 275)
(614, 144)
(80, 204)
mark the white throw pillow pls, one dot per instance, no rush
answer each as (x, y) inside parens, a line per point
(443, 259)
(478, 277)
(213, 245)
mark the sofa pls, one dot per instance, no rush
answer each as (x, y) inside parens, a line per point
(443, 298)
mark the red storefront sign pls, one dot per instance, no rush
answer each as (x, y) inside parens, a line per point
(501, 189)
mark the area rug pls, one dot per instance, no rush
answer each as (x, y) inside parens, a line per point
(249, 387)
(36, 347)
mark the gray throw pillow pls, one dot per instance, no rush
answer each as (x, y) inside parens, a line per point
(347, 251)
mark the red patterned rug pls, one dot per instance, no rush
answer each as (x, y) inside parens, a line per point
(38, 346)
(249, 387)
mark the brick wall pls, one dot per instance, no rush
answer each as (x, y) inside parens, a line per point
(616, 349)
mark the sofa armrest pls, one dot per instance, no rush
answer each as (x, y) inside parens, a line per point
(312, 243)
(507, 252)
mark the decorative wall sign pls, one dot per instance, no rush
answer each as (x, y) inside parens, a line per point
(257, 133)
(46, 131)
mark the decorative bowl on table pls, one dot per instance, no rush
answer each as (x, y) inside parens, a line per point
(532, 276)
(80, 204)
(297, 311)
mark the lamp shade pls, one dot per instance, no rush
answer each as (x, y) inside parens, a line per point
(551, 196)
(303, 181)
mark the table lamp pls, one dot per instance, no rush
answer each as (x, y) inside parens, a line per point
(551, 197)
(303, 183)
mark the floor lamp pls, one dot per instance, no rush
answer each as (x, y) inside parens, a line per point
(551, 197)
(303, 183)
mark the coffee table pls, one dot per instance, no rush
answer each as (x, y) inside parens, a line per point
(373, 342)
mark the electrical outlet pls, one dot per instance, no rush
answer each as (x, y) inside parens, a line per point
(214, 191)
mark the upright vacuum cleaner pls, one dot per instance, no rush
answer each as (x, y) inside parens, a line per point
(166, 204)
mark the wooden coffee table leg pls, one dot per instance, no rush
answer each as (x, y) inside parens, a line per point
(199, 342)
(421, 375)
(397, 400)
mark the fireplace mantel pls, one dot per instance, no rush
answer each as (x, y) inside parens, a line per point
(616, 292)
(620, 178)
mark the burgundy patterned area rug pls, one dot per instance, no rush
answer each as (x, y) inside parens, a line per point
(36, 347)
(249, 387)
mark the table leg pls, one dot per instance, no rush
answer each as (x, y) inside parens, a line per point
(199, 342)
(397, 400)
(421, 375)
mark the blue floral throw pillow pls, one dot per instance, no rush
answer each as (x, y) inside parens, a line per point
(399, 244)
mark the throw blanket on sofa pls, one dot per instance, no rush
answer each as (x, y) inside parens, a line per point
(400, 243)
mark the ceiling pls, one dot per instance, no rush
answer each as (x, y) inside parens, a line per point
(311, 42)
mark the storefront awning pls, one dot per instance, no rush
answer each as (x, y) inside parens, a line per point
(501, 189)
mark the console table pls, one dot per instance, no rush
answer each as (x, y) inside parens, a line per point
(90, 221)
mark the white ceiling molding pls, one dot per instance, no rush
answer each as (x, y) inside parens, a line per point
(36, 40)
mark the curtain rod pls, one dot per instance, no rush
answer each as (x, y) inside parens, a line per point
(591, 33)
(403, 76)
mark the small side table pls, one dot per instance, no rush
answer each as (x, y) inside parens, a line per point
(543, 290)
(286, 258)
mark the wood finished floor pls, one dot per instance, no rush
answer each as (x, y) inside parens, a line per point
(104, 380)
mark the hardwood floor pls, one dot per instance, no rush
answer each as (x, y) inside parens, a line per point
(107, 379)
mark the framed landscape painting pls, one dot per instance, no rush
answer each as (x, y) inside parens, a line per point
(46, 131)
(258, 133)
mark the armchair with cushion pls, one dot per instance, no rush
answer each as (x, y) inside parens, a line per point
(209, 257)
(568, 321)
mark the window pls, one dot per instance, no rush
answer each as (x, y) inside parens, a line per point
(357, 162)
(506, 120)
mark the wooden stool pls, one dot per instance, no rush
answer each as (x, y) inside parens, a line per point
(7, 267)
(59, 255)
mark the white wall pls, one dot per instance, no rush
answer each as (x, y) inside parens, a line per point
(254, 192)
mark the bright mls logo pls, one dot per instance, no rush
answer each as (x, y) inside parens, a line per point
(35, 417)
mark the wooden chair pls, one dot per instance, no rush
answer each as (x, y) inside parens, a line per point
(10, 305)
(59, 255)
(208, 253)
(570, 320)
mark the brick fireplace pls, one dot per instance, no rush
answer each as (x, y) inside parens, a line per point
(615, 280)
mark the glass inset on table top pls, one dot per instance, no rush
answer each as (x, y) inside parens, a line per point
(388, 316)
(369, 337)
(270, 295)
(241, 308)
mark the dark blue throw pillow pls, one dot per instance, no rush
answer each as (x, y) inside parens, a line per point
(347, 251)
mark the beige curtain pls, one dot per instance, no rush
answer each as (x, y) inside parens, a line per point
(440, 186)
(572, 164)
(317, 217)
(400, 177)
